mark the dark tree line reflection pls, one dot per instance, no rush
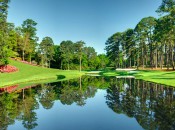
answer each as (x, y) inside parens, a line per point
(22, 104)
(152, 105)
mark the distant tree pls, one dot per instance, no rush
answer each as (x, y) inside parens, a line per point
(103, 61)
(47, 50)
(144, 32)
(19, 38)
(79, 51)
(3, 32)
(29, 37)
(12, 40)
(113, 48)
(89, 57)
(56, 62)
(66, 50)
(130, 49)
(167, 8)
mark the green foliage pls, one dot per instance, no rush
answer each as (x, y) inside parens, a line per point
(113, 48)
(78, 56)
(4, 51)
(150, 44)
(29, 37)
(47, 51)
(21, 43)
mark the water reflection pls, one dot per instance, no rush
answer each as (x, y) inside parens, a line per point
(152, 105)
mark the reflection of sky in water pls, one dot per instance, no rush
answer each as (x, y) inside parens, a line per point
(120, 104)
(95, 115)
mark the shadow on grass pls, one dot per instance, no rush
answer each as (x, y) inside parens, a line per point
(164, 78)
(60, 77)
(168, 73)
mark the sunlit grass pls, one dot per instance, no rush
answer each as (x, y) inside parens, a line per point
(28, 73)
(34, 74)
(162, 77)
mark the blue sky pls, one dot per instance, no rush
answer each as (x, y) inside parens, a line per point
(92, 21)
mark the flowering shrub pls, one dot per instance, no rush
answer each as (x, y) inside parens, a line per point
(8, 69)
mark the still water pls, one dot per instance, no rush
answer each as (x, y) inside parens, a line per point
(89, 103)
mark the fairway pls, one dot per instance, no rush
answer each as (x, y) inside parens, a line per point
(30, 73)
(157, 76)
(162, 77)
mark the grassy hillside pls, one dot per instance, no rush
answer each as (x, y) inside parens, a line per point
(28, 73)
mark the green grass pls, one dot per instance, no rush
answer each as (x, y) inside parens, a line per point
(115, 73)
(28, 73)
(162, 77)
(33, 74)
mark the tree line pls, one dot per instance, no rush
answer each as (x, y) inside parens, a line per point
(150, 44)
(22, 43)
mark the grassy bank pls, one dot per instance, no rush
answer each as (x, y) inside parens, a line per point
(157, 76)
(28, 73)
(162, 77)
(34, 74)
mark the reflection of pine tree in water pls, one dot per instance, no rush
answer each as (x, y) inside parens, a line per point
(29, 103)
(8, 109)
(47, 96)
(21, 105)
(76, 92)
(18, 106)
(152, 105)
(113, 97)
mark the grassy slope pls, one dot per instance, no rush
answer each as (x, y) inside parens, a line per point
(28, 73)
(162, 77)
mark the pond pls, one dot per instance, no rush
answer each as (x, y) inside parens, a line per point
(89, 103)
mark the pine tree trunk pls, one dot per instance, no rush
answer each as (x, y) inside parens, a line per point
(161, 61)
(156, 59)
(42, 63)
(138, 62)
(143, 62)
(146, 60)
(172, 57)
(30, 58)
(167, 59)
(23, 55)
(80, 63)
(151, 57)
(49, 63)
(130, 62)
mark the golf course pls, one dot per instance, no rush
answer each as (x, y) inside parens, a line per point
(28, 73)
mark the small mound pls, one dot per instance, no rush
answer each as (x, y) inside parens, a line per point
(8, 69)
